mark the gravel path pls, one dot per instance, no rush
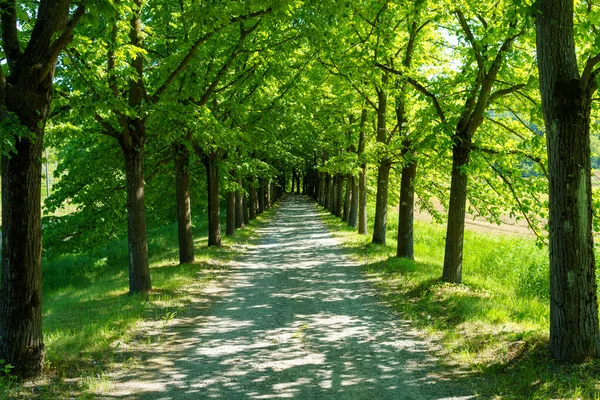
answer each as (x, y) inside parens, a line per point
(297, 321)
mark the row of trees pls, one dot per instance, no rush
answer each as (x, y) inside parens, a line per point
(231, 104)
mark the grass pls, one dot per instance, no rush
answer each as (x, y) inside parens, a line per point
(88, 315)
(494, 326)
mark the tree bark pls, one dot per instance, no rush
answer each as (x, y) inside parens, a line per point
(362, 178)
(339, 196)
(184, 210)
(327, 192)
(261, 196)
(245, 206)
(405, 246)
(353, 213)
(253, 200)
(347, 199)
(230, 217)
(27, 93)
(214, 213)
(362, 201)
(566, 103)
(298, 184)
(139, 270)
(21, 342)
(332, 194)
(383, 172)
(321, 192)
(266, 188)
(380, 223)
(239, 207)
(456, 213)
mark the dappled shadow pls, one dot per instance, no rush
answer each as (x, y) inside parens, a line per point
(443, 303)
(297, 320)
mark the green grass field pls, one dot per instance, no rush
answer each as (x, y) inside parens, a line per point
(494, 326)
(88, 316)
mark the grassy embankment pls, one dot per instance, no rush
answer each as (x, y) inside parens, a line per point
(495, 325)
(89, 318)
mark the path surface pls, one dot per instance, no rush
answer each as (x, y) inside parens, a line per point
(297, 321)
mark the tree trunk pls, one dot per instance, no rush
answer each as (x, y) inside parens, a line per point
(321, 192)
(380, 223)
(455, 231)
(214, 213)
(405, 247)
(347, 199)
(26, 93)
(327, 192)
(239, 207)
(332, 194)
(383, 173)
(253, 201)
(339, 196)
(266, 193)
(230, 218)
(362, 201)
(293, 180)
(566, 103)
(139, 270)
(353, 213)
(184, 210)
(21, 343)
(298, 180)
(245, 210)
(362, 178)
(261, 196)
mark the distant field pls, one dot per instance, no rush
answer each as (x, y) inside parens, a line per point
(509, 225)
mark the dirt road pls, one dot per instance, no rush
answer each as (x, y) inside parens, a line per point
(297, 321)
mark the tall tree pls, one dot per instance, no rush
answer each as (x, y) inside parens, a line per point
(479, 96)
(25, 97)
(566, 100)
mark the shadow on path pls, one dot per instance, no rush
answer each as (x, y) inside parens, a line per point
(297, 321)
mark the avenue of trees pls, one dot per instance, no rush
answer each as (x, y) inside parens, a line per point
(160, 110)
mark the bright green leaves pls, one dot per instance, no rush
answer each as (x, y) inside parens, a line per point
(11, 132)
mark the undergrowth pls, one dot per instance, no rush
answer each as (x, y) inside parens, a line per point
(494, 326)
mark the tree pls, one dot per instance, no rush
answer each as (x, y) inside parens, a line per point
(25, 97)
(566, 100)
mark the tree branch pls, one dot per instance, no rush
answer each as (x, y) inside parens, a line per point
(469, 34)
(10, 38)
(588, 71)
(63, 40)
(504, 92)
(338, 73)
(535, 159)
(192, 51)
(107, 128)
(420, 88)
(512, 190)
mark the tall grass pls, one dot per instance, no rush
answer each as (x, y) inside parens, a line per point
(494, 326)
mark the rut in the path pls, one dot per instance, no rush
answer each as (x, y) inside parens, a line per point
(298, 321)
